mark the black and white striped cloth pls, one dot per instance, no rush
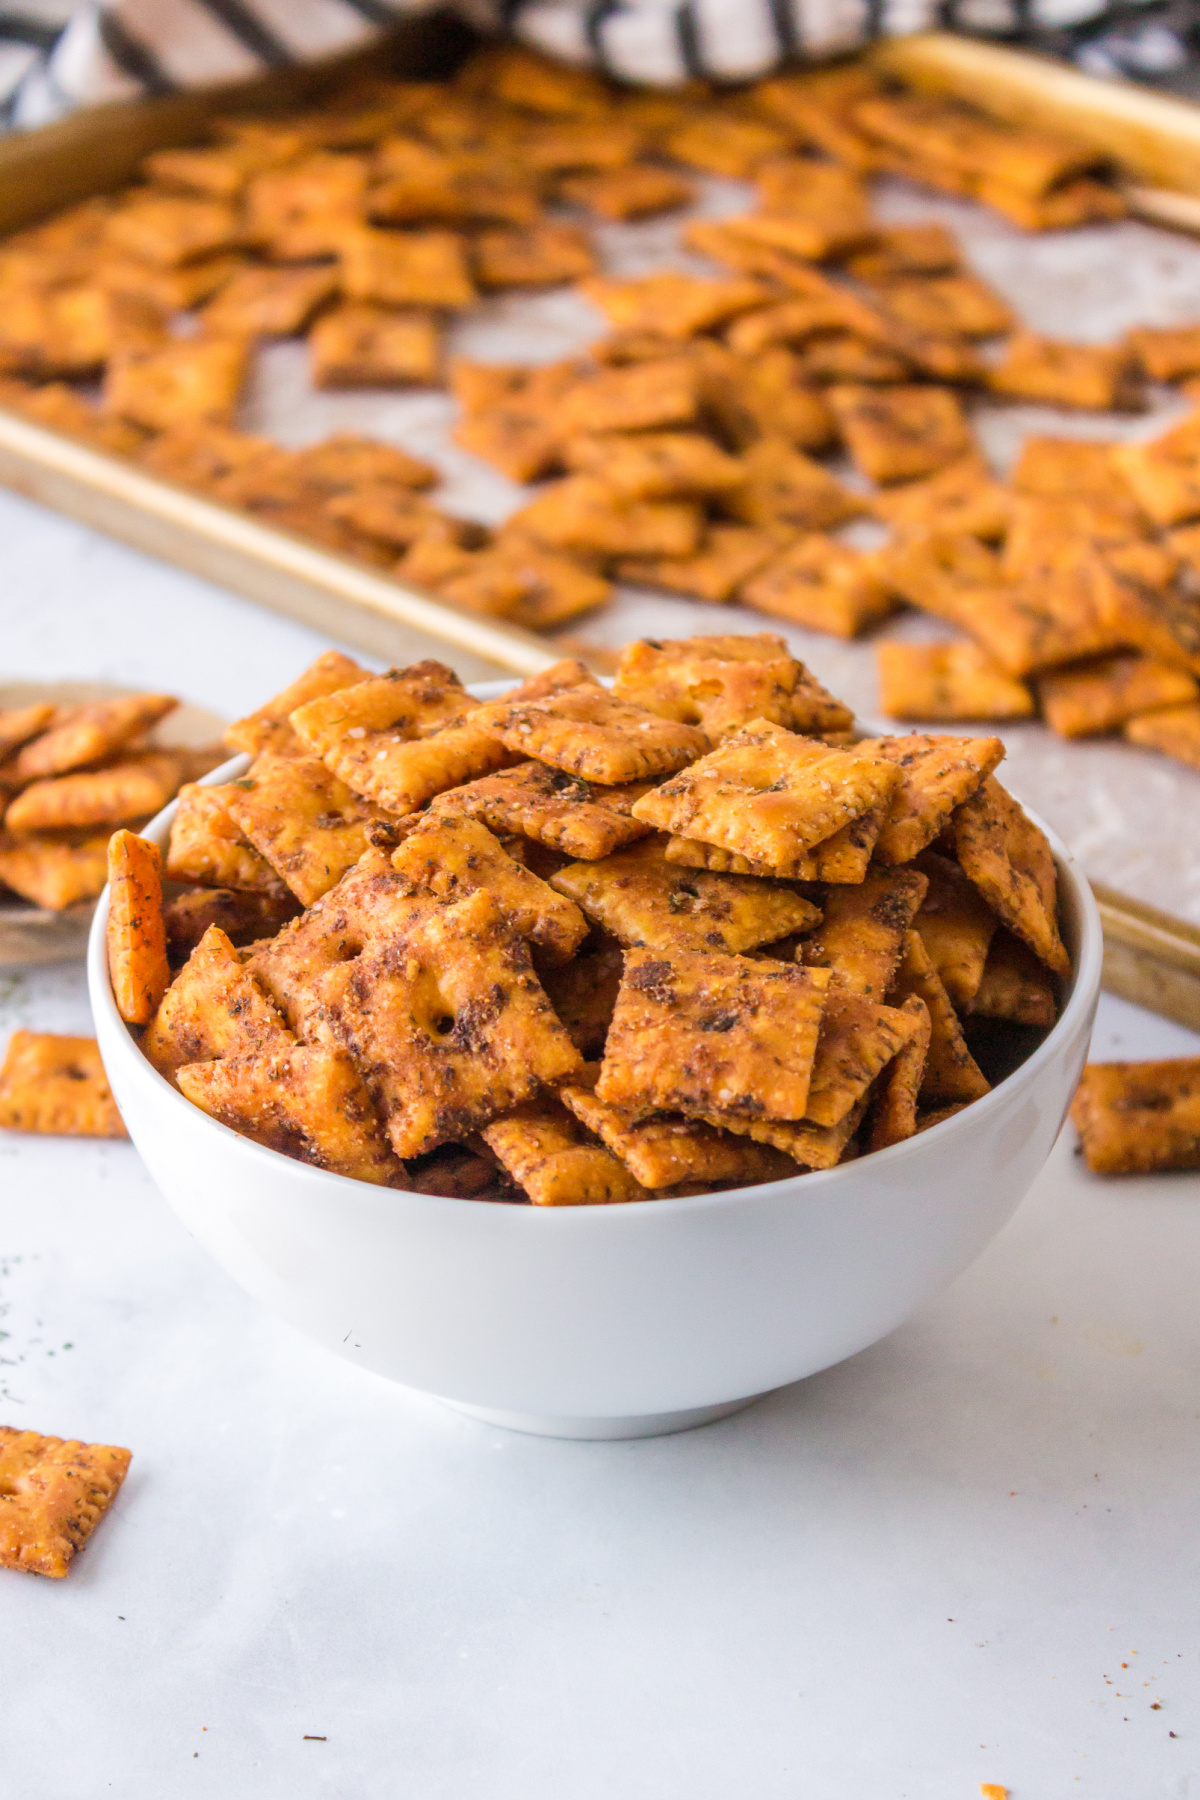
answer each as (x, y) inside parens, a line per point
(56, 55)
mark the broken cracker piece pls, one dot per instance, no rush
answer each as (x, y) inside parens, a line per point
(137, 939)
(53, 1494)
(699, 1032)
(1137, 1118)
(642, 898)
(57, 1086)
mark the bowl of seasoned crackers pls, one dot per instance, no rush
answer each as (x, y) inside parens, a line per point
(595, 1059)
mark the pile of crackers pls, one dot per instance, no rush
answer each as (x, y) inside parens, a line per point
(69, 776)
(690, 449)
(578, 946)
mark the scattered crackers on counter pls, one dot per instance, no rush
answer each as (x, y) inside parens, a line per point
(579, 945)
(71, 774)
(53, 1494)
(683, 451)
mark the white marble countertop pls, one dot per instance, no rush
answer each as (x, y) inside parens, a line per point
(968, 1554)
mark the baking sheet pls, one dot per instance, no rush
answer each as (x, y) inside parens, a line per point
(1130, 816)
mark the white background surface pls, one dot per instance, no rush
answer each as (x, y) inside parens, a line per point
(967, 1554)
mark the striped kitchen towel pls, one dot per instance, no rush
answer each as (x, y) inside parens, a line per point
(56, 56)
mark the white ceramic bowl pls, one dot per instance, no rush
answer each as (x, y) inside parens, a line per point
(600, 1321)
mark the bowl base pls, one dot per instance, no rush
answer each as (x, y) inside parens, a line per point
(638, 1425)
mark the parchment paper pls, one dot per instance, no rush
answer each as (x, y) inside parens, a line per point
(1132, 817)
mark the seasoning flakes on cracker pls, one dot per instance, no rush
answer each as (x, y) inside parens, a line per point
(1139, 1118)
(53, 1494)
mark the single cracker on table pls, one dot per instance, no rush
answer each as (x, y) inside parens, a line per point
(213, 1008)
(1011, 863)
(858, 1038)
(1137, 1118)
(643, 899)
(56, 1086)
(698, 1032)
(137, 938)
(947, 683)
(53, 1494)
(55, 873)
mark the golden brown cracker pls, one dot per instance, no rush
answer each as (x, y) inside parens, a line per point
(545, 1151)
(268, 728)
(213, 1008)
(1175, 730)
(137, 939)
(451, 855)
(637, 191)
(861, 937)
(893, 1113)
(360, 344)
(936, 775)
(1167, 353)
(812, 1146)
(947, 683)
(206, 846)
(1099, 696)
(541, 255)
(89, 734)
(724, 559)
(56, 1085)
(662, 1151)
(823, 585)
(197, 379)
(580, 818)
(405, 268)
(133, 788)
(168, 229)
(20, 723)
(449, 1024)
(304, 1100)
(783, 486)
(53, 1494)
(956, 926)
(942, 572)
(586, 732)
(899, 433)
(1044, 369)
(670, 302)
(962, 497)
(1070, 468)
(55, 872)
(1015, 985)
(858, 1038)
(951, 1073)
(1165, 473)
(1011, 863)
(960, 303)
(721, 682)
(768, 795)
(307, 824)
(268, 302)
(655, 465)
(641, 898)
(1138, 1118)
(725, 143)
(583, 515)
(695, 1032)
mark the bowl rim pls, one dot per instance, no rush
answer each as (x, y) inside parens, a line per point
(1085, 979)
